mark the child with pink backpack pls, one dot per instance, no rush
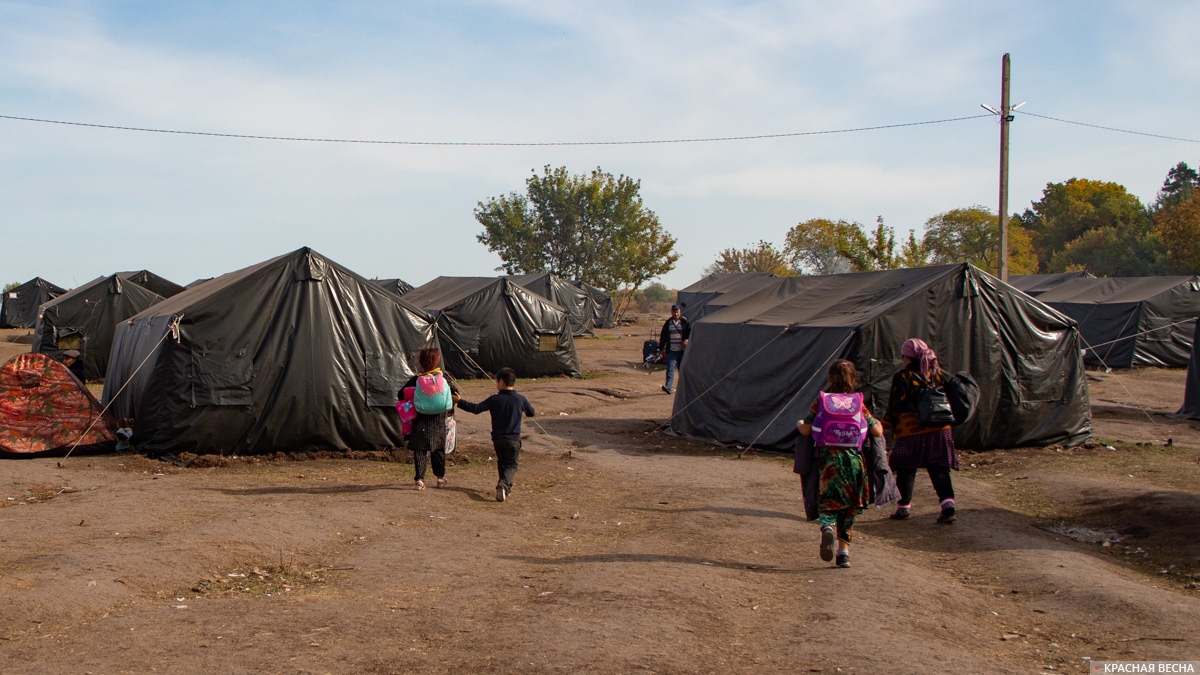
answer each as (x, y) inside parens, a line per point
(427, 410)
(839, 424)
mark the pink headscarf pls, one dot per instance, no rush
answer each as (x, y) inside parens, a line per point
(915, 348)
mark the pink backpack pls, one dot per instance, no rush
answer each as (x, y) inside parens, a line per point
(407, 411)
(840, 421)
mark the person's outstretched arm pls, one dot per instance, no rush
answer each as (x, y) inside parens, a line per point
(474, 408)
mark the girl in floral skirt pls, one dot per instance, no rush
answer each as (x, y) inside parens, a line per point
(844, 491)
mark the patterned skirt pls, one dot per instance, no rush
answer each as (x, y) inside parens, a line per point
(428, 433)
(935, 448)
(843, 481)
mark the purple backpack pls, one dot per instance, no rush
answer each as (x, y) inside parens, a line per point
(840, 421)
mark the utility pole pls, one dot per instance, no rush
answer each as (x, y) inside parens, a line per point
(1006, 117)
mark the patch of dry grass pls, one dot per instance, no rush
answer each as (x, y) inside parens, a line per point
(286, 574)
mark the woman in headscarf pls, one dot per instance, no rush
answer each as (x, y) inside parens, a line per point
(915, 445)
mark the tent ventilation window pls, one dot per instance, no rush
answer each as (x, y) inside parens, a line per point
(547, 342)
(69, 341)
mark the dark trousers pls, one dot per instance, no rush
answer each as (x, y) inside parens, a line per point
(507, 453)
(906, 480)
(438, 458)
(672, 360)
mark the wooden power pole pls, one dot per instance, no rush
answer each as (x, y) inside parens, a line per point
(1006, 117)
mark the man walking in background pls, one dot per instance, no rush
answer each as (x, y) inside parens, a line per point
(673, 340)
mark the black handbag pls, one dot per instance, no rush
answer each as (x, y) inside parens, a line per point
(933, 406)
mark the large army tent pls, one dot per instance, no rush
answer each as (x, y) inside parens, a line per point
(563, 293)
(19, 308)
(602, 305)
(45, 411)
(85, 318)
(487, 323)
(1191, 393)
(151, 281)
(695, 300)
(397, 286)
(1131, 321)
(1036, 284)
(293, 354)
(754, 368)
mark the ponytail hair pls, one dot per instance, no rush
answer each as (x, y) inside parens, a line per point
(843, 377)
(429, 358)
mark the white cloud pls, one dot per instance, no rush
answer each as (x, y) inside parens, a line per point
(566, 71)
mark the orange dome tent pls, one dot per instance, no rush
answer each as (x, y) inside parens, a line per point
(45, 411)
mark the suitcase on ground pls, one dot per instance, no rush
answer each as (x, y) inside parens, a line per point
(650, 352)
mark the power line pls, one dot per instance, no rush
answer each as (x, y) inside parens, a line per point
(1097, 126)
(487, 143)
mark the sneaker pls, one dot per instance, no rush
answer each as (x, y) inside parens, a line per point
(843, 558)
(501, 493)
(441, 482)
(827, 539)
(419, 484)
(668, 389)
(947, 516)
(900, 514)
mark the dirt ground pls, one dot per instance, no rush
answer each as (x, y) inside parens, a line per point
(621, 550)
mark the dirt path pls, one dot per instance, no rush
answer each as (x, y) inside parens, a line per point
(622, 550)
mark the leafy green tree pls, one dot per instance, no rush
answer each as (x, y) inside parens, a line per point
(642, 251)
(1082, 218)
(881, 249)
(592, 227)
(1109, 252)
(1180, 183)
(9, 287)
(761, 258)
(1022, 259)
(914, 252)
(656, 292)
(876, 251)
(963, 235)
(973, 235)
(820, 246)
(1178, 226)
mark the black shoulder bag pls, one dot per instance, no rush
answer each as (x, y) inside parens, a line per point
(933, 406)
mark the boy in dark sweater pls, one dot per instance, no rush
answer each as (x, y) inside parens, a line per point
(506, 406)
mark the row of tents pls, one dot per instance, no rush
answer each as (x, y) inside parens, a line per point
(588, 307)
(1124, 322)
(299, 352)
(761, 345)
(84, 319)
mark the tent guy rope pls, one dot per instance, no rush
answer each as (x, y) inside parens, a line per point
(824, 367)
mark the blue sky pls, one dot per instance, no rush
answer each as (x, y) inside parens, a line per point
(77, 203)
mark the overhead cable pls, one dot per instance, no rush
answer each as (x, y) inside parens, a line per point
(488, 143)
(662, 141)
(1097, 126)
